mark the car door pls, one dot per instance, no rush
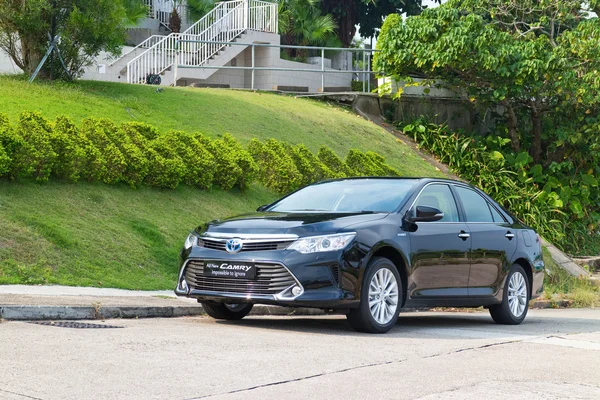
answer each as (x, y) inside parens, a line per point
(493, 242)
(439, 249)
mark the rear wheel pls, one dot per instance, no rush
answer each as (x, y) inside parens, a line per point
(515, 300)
(381, 294)
(229, 311)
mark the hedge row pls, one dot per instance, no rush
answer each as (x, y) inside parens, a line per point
(136, 154)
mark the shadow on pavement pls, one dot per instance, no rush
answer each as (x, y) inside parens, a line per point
(420, 324)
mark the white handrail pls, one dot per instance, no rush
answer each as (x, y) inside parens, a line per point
(226, 21)
(146, 44)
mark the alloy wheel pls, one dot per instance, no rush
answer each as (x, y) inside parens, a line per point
(383, 296)
(517, 294)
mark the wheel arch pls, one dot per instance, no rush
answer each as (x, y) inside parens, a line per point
(399, 261)
(523, 262)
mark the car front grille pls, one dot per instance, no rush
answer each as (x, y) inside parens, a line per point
(248, 246)
(271, 280)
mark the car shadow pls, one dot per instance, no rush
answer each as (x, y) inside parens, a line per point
(420, 324)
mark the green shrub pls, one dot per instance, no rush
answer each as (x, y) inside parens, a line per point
(199, 162)
(334, 163)
(243, 159)
(166, 169)
(69, 145)
(309, 166)
(8, 142)
(4, 161)
(34, 156)
(357, 86)
(500, 174)
(227, 172)
(277, 170)
(145, 131)
(137, 153)
(379, 161)
(363, 165)
(108, 160)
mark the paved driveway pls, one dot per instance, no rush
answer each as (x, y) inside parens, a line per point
(555, 354)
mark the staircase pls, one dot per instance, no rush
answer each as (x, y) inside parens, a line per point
(202, 43)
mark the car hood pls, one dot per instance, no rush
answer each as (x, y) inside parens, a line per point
(301, 224)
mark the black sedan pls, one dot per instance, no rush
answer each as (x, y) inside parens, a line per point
(367, 247)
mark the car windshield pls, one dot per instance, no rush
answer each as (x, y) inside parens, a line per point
(359, 195)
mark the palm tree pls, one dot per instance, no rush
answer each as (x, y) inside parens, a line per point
(301, 23)
(199, 8)
(135, 11)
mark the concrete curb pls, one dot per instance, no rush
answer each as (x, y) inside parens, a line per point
(40, 313)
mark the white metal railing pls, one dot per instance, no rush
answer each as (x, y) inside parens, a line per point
(222, 24)
(359, 70)
(146, 44)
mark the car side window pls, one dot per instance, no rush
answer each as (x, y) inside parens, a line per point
(496, 215)
(439, 196)
(476, 207)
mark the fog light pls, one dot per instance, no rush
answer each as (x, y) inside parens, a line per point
(183, 285)
(296, 290)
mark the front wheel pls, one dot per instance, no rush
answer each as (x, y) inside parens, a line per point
(381, 294)
(229, 311)
(515, 299)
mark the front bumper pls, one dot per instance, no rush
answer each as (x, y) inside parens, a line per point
(326, 280)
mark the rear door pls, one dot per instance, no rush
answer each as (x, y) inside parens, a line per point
(439, 249)
(493, 242)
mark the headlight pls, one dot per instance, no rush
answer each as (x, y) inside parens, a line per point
(191, 240)
(314, 244)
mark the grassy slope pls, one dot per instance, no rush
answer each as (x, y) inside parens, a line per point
(245, 115)
(113, 236)
(559, 284)
(98, 235)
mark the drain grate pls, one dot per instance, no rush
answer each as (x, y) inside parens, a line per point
(76, 325)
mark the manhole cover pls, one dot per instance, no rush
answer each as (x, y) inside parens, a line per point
(76, 325)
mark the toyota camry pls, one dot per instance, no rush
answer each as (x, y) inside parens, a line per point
(367, 247)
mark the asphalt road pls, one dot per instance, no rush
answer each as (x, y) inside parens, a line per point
(555, 354)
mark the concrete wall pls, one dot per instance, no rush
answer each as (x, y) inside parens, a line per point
(7, 66)
(268, 79)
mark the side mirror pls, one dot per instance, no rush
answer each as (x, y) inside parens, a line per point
(426, 214)
(263, 207)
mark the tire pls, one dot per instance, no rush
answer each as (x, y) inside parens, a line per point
(508, 312)
(362, 318)
(228, 311)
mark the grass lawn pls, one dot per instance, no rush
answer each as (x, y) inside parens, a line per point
(560, 285)
(97, 235)
(114, 236)
(244, 114)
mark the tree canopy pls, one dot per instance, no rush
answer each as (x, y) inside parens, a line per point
(369, 14)
(533, 63)
(538, 60)
(87, 28)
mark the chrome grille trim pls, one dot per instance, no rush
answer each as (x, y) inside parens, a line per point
(247, 245)
(272, 279)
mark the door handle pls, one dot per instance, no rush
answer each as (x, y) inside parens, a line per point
(509, 235)
(464, 235)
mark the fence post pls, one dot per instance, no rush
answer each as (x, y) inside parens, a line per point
(363, 69)
(176, 63)
(252, 84)
(322, 70)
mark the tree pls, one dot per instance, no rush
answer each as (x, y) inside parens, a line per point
(369, 14)
(86, 27)
(301, 23)
(199, 8)
(537, 62)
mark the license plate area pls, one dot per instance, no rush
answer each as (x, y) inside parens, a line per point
(230, 269)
